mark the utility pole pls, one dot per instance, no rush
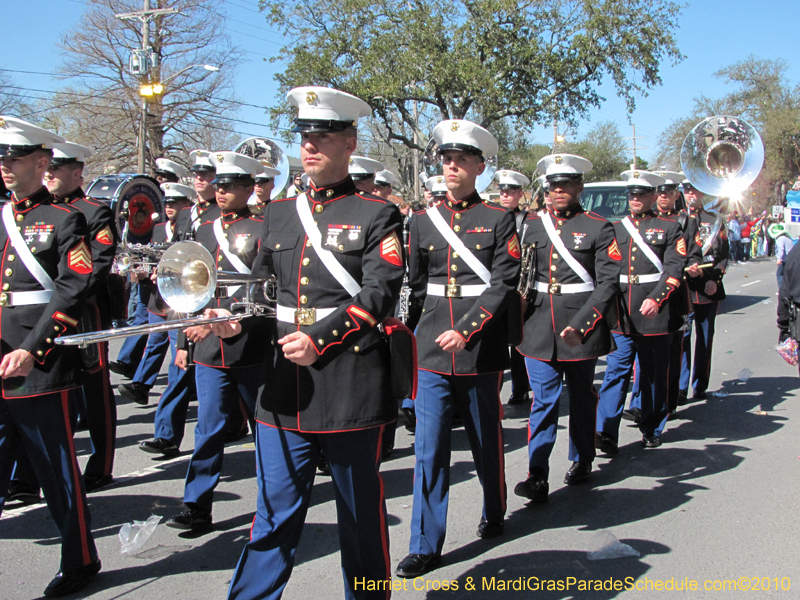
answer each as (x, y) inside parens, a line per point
(634, 148)
(145, 16)
(416, 153)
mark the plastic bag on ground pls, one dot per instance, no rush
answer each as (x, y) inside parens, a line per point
(745, 374)
(133, 536)
(605, 545)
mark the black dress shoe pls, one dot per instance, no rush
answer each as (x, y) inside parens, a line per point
(72, 581)
(95, 482)
(534, 488)
(578, 473)
(411, 416)
(160, 446)
(683, 397)
(121, 369)
(700, 395)
(632, 414)
(672, 415)
(193, 519)
(489, 529)
(458, 420)
(605, 443)
(23, 493)
(138, 392)
(416, 565)
(519, 399)
(651, 441)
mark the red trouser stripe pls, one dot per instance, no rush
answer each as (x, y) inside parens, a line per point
(78, 480)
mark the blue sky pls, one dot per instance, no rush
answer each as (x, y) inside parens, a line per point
(712, 35)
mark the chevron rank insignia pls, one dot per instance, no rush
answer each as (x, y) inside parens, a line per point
(682, 247)
(105, 237)
(80, 259)
(513, 247)
(613, 251)
(390, 250)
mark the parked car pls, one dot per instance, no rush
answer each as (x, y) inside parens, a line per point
(608, 199)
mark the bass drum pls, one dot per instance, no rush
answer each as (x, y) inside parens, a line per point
(135, 199)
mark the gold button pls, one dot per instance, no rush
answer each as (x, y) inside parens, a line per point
(474, 324)
(483, 315)
(477, 246)
(277, 246)
(552, 280)
(457, 228)
(56, 328)
(458, 215)
(552, 267)
(558, 231)
(303, 299)
(28, 203)
(219, 268)
(347, 323)
(455, 254)
(335, 333)
(631, 269)
(20, 217)
(49, 340)
(464, 203)
(219, 258)
(430, 247)
(318, 208)
(321, 342)
(356, 349)
(634, 248)
(227, 225)
(452, 280)
(588, 322)
(33, 249)
(8, 272)
(583, 331)
(304, 281)
(341, 247)
(555, 256)
(561, 222)
(466, 332)
(454, 267)
(306, 261)
(5, 286)
(11, 258)
(633, 258)
(308, 244)
(39, 353)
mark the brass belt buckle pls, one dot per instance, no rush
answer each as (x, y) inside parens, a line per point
(453, 290)
(555, 288)
(305, 316)
(5, 299)
(633, 279)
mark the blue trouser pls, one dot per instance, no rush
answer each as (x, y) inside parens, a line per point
(779, 273)
(674, 380)
(519, 374)
(154, 354)
(218, 393)
(704, 318)
(286, 464)
(477, 399)
(40, 425)
(546, 380)
(654, 371)
(133, 347)
(170, 419)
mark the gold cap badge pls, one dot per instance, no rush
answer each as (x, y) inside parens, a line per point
(454, 126)
(439, 179)
(311, 97)
(220, 158)
(504, 173)
(2, 123)
(559, 160)
(636, 173)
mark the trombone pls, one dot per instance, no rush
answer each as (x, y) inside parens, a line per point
(187, 280)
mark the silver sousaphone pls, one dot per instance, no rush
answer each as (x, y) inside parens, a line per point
(271, 154)
(187, 280)
(433, 166)
(721, 156)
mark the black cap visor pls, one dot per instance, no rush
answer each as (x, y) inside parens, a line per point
(61, 161)
(172, 177)
(202, 169)
(564, 178)
(320, 125)
(263, 179)
(233, 178)
(667, 187)
(638, 190)
(461, 148)
(509, 186)
(16, 151)
(362, 176)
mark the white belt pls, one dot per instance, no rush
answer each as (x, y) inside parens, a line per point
(456, 290)
(652, 278)
(301, 316)
(25, 298)
(563, 288)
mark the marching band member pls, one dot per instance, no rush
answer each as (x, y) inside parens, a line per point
(264, 184)
(437, 188)
(45, 277)
(362, 171)
(228, 369)
(168, 171)
(575, 269)
(385, 182)
(463, 271)
(338, 259)
(206, 209)
(653, 257)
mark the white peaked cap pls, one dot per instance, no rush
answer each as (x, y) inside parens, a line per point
(387, 177)
(66, 152)
(568, 165)
(201, 160)
(17, 137)
(457, 134)
(325, 109)
(645, 179)
(170, 166)
(436, 185)
(672, 177)
(233, 164)
(177, 191)
(506, 177)
(363, 166)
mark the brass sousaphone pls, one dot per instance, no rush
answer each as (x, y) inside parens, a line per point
(721, 157)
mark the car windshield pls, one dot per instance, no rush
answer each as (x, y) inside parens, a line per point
(610, 201)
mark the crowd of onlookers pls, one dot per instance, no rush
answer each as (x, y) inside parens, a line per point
(748, 236)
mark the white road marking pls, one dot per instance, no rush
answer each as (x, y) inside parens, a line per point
(752, 283)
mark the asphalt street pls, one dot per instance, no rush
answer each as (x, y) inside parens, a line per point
(716, 504)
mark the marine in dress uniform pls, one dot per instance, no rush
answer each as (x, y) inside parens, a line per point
(653, 257)
(45, 274)
(362, 171)
(668, 197)
(437, 187)
(262, 192)
(706, 291)
(177, 196)
(385, 182)
(511, 184)
(338, 259)
(168, 171)
(225, 369)
(463, 269)
(572, 292)
(206, 209)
